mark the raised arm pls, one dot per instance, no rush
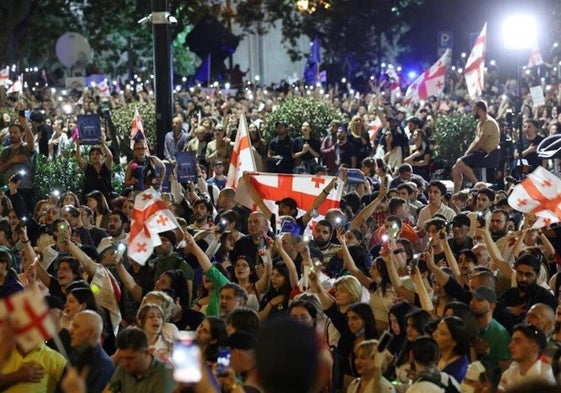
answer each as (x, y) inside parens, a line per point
(368, 210)
(192, 247)
(318, 201)
(292, 273)
(82, 164)
(256, 197)
(350, 263)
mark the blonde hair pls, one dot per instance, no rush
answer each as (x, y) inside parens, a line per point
(370, 347)
(351, 285)
(162, 299)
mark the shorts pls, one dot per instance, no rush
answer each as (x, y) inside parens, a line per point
(474, 158)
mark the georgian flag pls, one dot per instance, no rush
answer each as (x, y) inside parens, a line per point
(17, 87)
(536, 58)
(103, 87)
(26, 314)
(137, 130)
(242, 157)
(429, 83)
(150, 216)
(5, 77)
(540, 194)
(304, 189)
(475, 65)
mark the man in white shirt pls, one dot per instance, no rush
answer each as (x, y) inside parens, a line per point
(526, 347)
(437, 190)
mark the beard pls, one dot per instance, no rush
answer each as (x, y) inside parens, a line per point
(527, 287)
(497, 234)
(321, 243)
(476, 116)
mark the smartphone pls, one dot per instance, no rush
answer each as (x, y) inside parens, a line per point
(384, 341)
(262, 245)
(223, 360)
(186, 358)
(121, 247)
(223, 224)
(481, 220)
(385, 241)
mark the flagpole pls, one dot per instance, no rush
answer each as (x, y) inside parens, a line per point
(209, 68)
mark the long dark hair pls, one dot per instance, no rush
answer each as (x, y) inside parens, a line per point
(364, 311)
(384, 276)
(218, 333)
(459, 333)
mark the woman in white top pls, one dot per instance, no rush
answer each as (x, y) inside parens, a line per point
(59, 140)
(150, 318)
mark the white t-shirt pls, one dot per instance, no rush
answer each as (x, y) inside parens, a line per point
(512, 376)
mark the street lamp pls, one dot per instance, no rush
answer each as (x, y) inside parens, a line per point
(520, 32)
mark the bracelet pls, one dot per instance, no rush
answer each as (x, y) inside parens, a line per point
(271, 304)
(23, 242)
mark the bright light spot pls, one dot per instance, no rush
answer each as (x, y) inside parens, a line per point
(184, 79)
(390, 66)
(460, 70)
(412, 74)
(453, 68)
(383, 65)
(93, 84)
(257, 78)
(215, 84)
(527, 72)
(556, 44)
(463, 54)
(35, 69)
(520, 32)
(343, 80)
(53, 90)
(227, 85)
(67, 108)
(493, 62)
(399, 69)
(27, 70)
(64, 92)
(371, 77)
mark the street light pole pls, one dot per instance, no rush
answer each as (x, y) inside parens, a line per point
(161, 20)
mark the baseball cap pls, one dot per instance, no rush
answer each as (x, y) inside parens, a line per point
(461, 219)
(485, 294)
(291, 203)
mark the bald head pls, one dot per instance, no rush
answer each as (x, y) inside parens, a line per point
(85, 329)
(541, 316)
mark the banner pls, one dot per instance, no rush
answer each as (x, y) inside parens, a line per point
(429, 83)
(475, 65)
(242, 156)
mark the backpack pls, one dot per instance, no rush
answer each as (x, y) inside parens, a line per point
(448, 385)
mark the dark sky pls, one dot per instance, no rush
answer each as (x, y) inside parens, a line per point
(463, 17)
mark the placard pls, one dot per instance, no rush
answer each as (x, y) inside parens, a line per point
(89, 128)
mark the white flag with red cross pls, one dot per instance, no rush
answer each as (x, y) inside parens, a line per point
(536, 58)
(137, 130)
(103, 88)
(540, 194)
(150, 216)
(304, 189)
(429, 83)
(5, 77)
(475, 65)
(242, 157)
(17, 87)
(27, 315)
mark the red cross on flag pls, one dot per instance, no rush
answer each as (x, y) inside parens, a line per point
(17, 87)
(475, 65)
(539, 193)
(429, 83)
(137, 130)
(304, 189)
(242, 157)
(27, 314)
(536, 58)
(104, 88)
(150, 216)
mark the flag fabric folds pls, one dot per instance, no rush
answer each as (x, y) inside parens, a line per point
(137, 130)
(150, 216)
(5, 77)
(27, 315)
(242, 156)
(17, 86)
(430, 82)
(475, 65)
(203, 73)
(536, 58)
(311, 71)
(540, 194)
(304, 189)
(103, 87)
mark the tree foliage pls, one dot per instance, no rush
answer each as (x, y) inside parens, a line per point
(452, 136)
(297, 110)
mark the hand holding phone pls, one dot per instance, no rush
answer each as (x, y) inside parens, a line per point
(186, 358)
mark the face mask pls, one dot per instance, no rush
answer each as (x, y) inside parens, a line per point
(465, 388)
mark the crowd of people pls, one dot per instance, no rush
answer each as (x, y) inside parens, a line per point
(405, 287)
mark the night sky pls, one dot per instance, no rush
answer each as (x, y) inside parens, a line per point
(463, 17)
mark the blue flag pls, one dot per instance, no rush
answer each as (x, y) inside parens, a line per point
(203, 74)
(311, 71)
